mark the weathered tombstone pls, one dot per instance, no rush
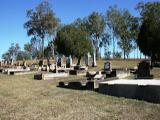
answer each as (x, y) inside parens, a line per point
(41, 62)
(5, 62)
(8, 62)
(87, 59)
(18, 64)
(47, 67)
(52, 67)
(69, 62)
(143, 71)
(24, 64)
(0, 63)
(107, 66)
(11, 62)
(59, 63)
(94, 64)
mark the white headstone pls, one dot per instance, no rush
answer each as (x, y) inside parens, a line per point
(94, 64)
(69, 62)
(87, 59)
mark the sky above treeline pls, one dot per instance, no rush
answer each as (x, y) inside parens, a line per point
(13, 15)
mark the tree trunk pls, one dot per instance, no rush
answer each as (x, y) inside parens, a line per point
(79, 61)
(100, 53)
(94, 64)
(113, 48)
(137, 53)
(124, 52)
(97, 53)
(42, 50)
(48, 61)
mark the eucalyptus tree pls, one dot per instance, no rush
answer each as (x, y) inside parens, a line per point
(49, 51)
(41, 23)
(12, 52)
(95, 25)
(112, 20)
(124, 27)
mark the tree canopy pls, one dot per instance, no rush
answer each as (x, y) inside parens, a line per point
(41, 22)
(149, 35)
(124, 27)
(95, 25)
(74, 41)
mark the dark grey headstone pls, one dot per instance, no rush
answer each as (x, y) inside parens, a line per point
(107, 66)
(144, 70)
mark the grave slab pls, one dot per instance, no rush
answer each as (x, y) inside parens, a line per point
(142, 89)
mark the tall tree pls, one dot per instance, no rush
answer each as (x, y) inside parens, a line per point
(112, 18)
(12, 52)
(41, 22)
(49, 51)
(124, 26)
(95, 24)
(74, 41)
(149, 35)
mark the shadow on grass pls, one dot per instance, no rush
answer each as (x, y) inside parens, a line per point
(77, 85)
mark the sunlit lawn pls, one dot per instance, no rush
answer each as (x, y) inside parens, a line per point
(21, 97)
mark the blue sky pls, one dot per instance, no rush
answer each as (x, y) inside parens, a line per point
(13, 15)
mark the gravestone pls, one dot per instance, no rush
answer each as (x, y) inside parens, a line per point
(18, 64)
(107, 66)
(59, 62)
(24, 64)
(94, 64)
(52, 67)
(143, 71)
(11, 63)
(5, 62)
(69, 62)
(87, 59)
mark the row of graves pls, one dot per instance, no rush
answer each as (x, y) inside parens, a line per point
(116, 82)
(18, 68)
(135, 83)
(61, 69)
(94, 78)
(142, 86)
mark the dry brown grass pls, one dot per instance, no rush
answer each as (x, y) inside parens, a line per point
(22, 98)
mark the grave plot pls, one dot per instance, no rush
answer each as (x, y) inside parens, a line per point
(142, 89)
(109, 72)
(49, 76)
(143, 71)
(79, 70)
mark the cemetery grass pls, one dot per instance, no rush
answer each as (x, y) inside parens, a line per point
(21, 97)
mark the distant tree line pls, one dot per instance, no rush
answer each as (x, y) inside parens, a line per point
(117, 27)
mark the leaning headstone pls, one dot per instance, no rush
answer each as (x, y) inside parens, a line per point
(94, 64)
(87, 59)
(143, 71)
